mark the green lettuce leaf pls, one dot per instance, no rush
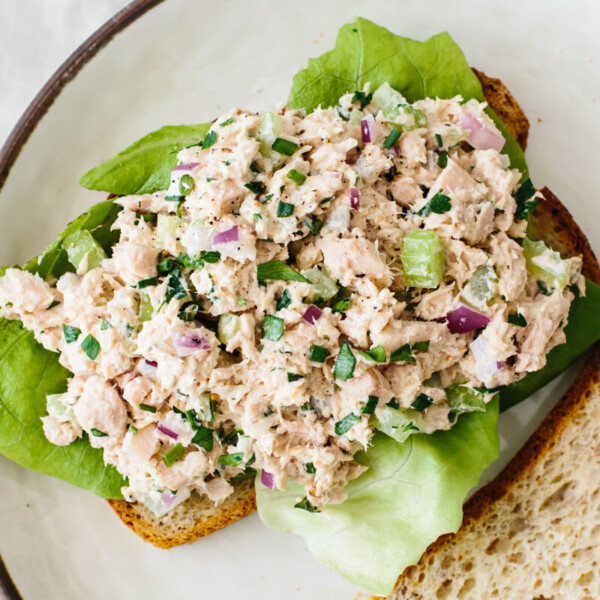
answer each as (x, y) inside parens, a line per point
(410, 495)
(146, 165)
(365, 52)
(27, 374)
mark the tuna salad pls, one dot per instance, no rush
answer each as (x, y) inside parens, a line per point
(305, 280)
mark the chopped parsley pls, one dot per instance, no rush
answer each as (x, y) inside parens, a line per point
(284, 146)
(314, 225)
(422, 346)
(363, 98)
(297, 177)
(186, 184)
(318, 353)
(438, 140)
(105, 325)
(421, 402)
(277, 269)
(523, 199)
(129, 329)
(97, 433)
(310, 468)
(256, 187)
(304, 504)
(517, 319)
(375, 354)
(341, 305)
(391, 139)
(284, 300)
(91, 347)
(291, 377)
(175, 287)
(368, 408)
(173, 454)
(203, 437)
(209, 140)
(344, 363)
(409, 427)
(403, 354)
(393, 403)
(188, 311)
(439, 205)
(227, 122)
(272, 328)
(71, 333)
(349, 421)
(147, 408)
(284, 209)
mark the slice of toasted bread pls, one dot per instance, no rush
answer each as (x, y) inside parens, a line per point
(198, 517)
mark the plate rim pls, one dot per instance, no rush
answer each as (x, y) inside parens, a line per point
(31, 117)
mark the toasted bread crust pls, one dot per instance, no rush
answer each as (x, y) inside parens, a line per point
(193, 519)
(197, 518)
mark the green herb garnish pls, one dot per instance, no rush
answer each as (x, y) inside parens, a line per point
(349, 421)
(105, 325)
(70, 333)
(421, 402)
(294, 377)
(256, 187)
(97, 433)
(393, 403)
(186, 184)
(439, 204)
(517, 319)
(147, 282)
(209, 140)
(421, 346)
(91, 347)
(227, 122)
(232, 460)
(368, 408)
(391, 139)
(363, 98)
(147, 408)
(375, 354)
(523, 199)
(310, 468)
(277, 269)
(341, 305)
(442, 160)
(304, 504)
(344, 363)
(204, 438)
(284, 209)
(403, 354)
(284, 300)
(438, 140)
(318, 353)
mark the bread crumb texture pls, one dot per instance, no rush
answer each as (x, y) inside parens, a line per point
(195, 518)
(534, 532)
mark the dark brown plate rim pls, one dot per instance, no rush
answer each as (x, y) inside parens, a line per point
(33, 115)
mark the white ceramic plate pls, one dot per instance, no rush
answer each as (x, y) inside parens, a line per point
(185, 62)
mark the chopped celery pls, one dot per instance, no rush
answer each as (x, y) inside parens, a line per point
(82, 244)
(229, 325)
(325, 287)
(399, 424)
(146, 309)
(270, 127)
(387, 97)
(463, 398)
(545, 264)
(481, 288)
(166, 226)
(422, 259)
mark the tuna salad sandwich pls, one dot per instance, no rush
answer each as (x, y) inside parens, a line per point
(325, 300)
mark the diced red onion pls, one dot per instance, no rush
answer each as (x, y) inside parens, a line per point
(168, 498)
(500, 364)
(312, 315)
(186, 166)
(164, 429)
(267, 479)
(480, 137)
(464, 319)
(151, 363)
(187, 343)
(354, 198)
(229, 235)
(367, 129)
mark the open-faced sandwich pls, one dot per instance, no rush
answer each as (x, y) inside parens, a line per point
(327, 304)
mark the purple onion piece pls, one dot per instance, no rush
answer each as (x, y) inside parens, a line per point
(164, 429)
(480, 137)
(190, 341)
(367, 129)
(267, 479)
(186, 166)
(312, 315)
(464, 319)
(151, 363)
(229, 235)
(168, 498)
(354, 198)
